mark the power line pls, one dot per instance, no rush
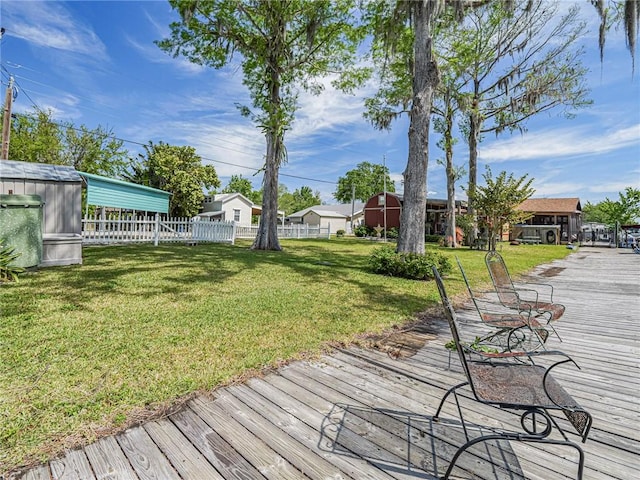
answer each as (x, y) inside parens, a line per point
(124, 140)
(144, 144)
(133, 142)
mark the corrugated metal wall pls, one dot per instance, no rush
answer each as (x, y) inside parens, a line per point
(108, 192)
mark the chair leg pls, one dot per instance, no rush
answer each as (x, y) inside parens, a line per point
(449, 392)
(520, 438)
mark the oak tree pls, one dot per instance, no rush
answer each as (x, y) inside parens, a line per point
(282, 46)
(178, 170)
(363, 182)
(519, 61)
(38, 138)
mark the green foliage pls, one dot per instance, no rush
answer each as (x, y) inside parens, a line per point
(432, 238)
(37, 138)
(386, 261)
(282, 47)
(497, 200)
(177, 170)
(465, 222)
(238, 184)
(300, 199)
(368, 179)
(392, 233)
(364, 231)
(304, 197)
(625, 211)
(392, 54)
(7, 256)
(476, 345)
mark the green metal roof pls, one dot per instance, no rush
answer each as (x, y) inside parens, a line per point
(109, 192)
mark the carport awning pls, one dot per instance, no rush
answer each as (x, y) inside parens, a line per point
(109, 192)
(257, 210)
(211, 214)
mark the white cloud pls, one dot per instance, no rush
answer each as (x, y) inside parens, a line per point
(50, 25)
(152, 53)
(560, 143)
(557, 189)
(619, 186)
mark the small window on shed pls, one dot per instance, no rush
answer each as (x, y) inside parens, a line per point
(380, 199)
(236, 214)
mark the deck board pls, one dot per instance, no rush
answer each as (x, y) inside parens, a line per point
(144, 456)
(365, 413)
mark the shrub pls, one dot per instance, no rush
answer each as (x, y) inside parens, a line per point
(364, 231)
(360, 231)
(340, 233)
(392, 233)
(430, 238)
(8, 272)
(386, 261)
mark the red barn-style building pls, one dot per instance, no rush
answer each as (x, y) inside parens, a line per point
(376, 215)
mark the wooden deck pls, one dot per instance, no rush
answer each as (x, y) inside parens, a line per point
(362, 413)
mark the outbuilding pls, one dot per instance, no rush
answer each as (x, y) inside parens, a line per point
(552, 221)
(322, 216)
(59, 188)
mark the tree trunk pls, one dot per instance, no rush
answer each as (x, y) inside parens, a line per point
(267, 237)
(452, 241)
(474, 132)
(450, 234)
(425, 80)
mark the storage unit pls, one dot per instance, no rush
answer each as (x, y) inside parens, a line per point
(21, 227)
(60, 190)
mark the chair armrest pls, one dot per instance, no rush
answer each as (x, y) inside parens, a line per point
(521, 354)
(527, 296)
(494, 307)
(545, 285)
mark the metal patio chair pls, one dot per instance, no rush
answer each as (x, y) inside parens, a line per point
(513, 329)
(523, 386)
(525, 297)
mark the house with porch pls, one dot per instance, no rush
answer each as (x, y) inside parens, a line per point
(552, 221)
(231, 207)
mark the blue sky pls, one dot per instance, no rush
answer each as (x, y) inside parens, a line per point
(95, 63)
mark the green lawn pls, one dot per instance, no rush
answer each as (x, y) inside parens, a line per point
(85, 350)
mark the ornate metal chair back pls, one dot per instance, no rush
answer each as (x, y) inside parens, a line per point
(501, 279)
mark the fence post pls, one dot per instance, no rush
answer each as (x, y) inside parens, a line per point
(156, 233)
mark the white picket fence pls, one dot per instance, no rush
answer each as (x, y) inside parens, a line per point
(131, 229)
(287, 231)
(122, 229)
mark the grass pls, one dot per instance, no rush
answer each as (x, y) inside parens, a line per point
(85, 350)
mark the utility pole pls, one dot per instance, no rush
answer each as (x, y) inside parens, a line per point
(6, 120)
